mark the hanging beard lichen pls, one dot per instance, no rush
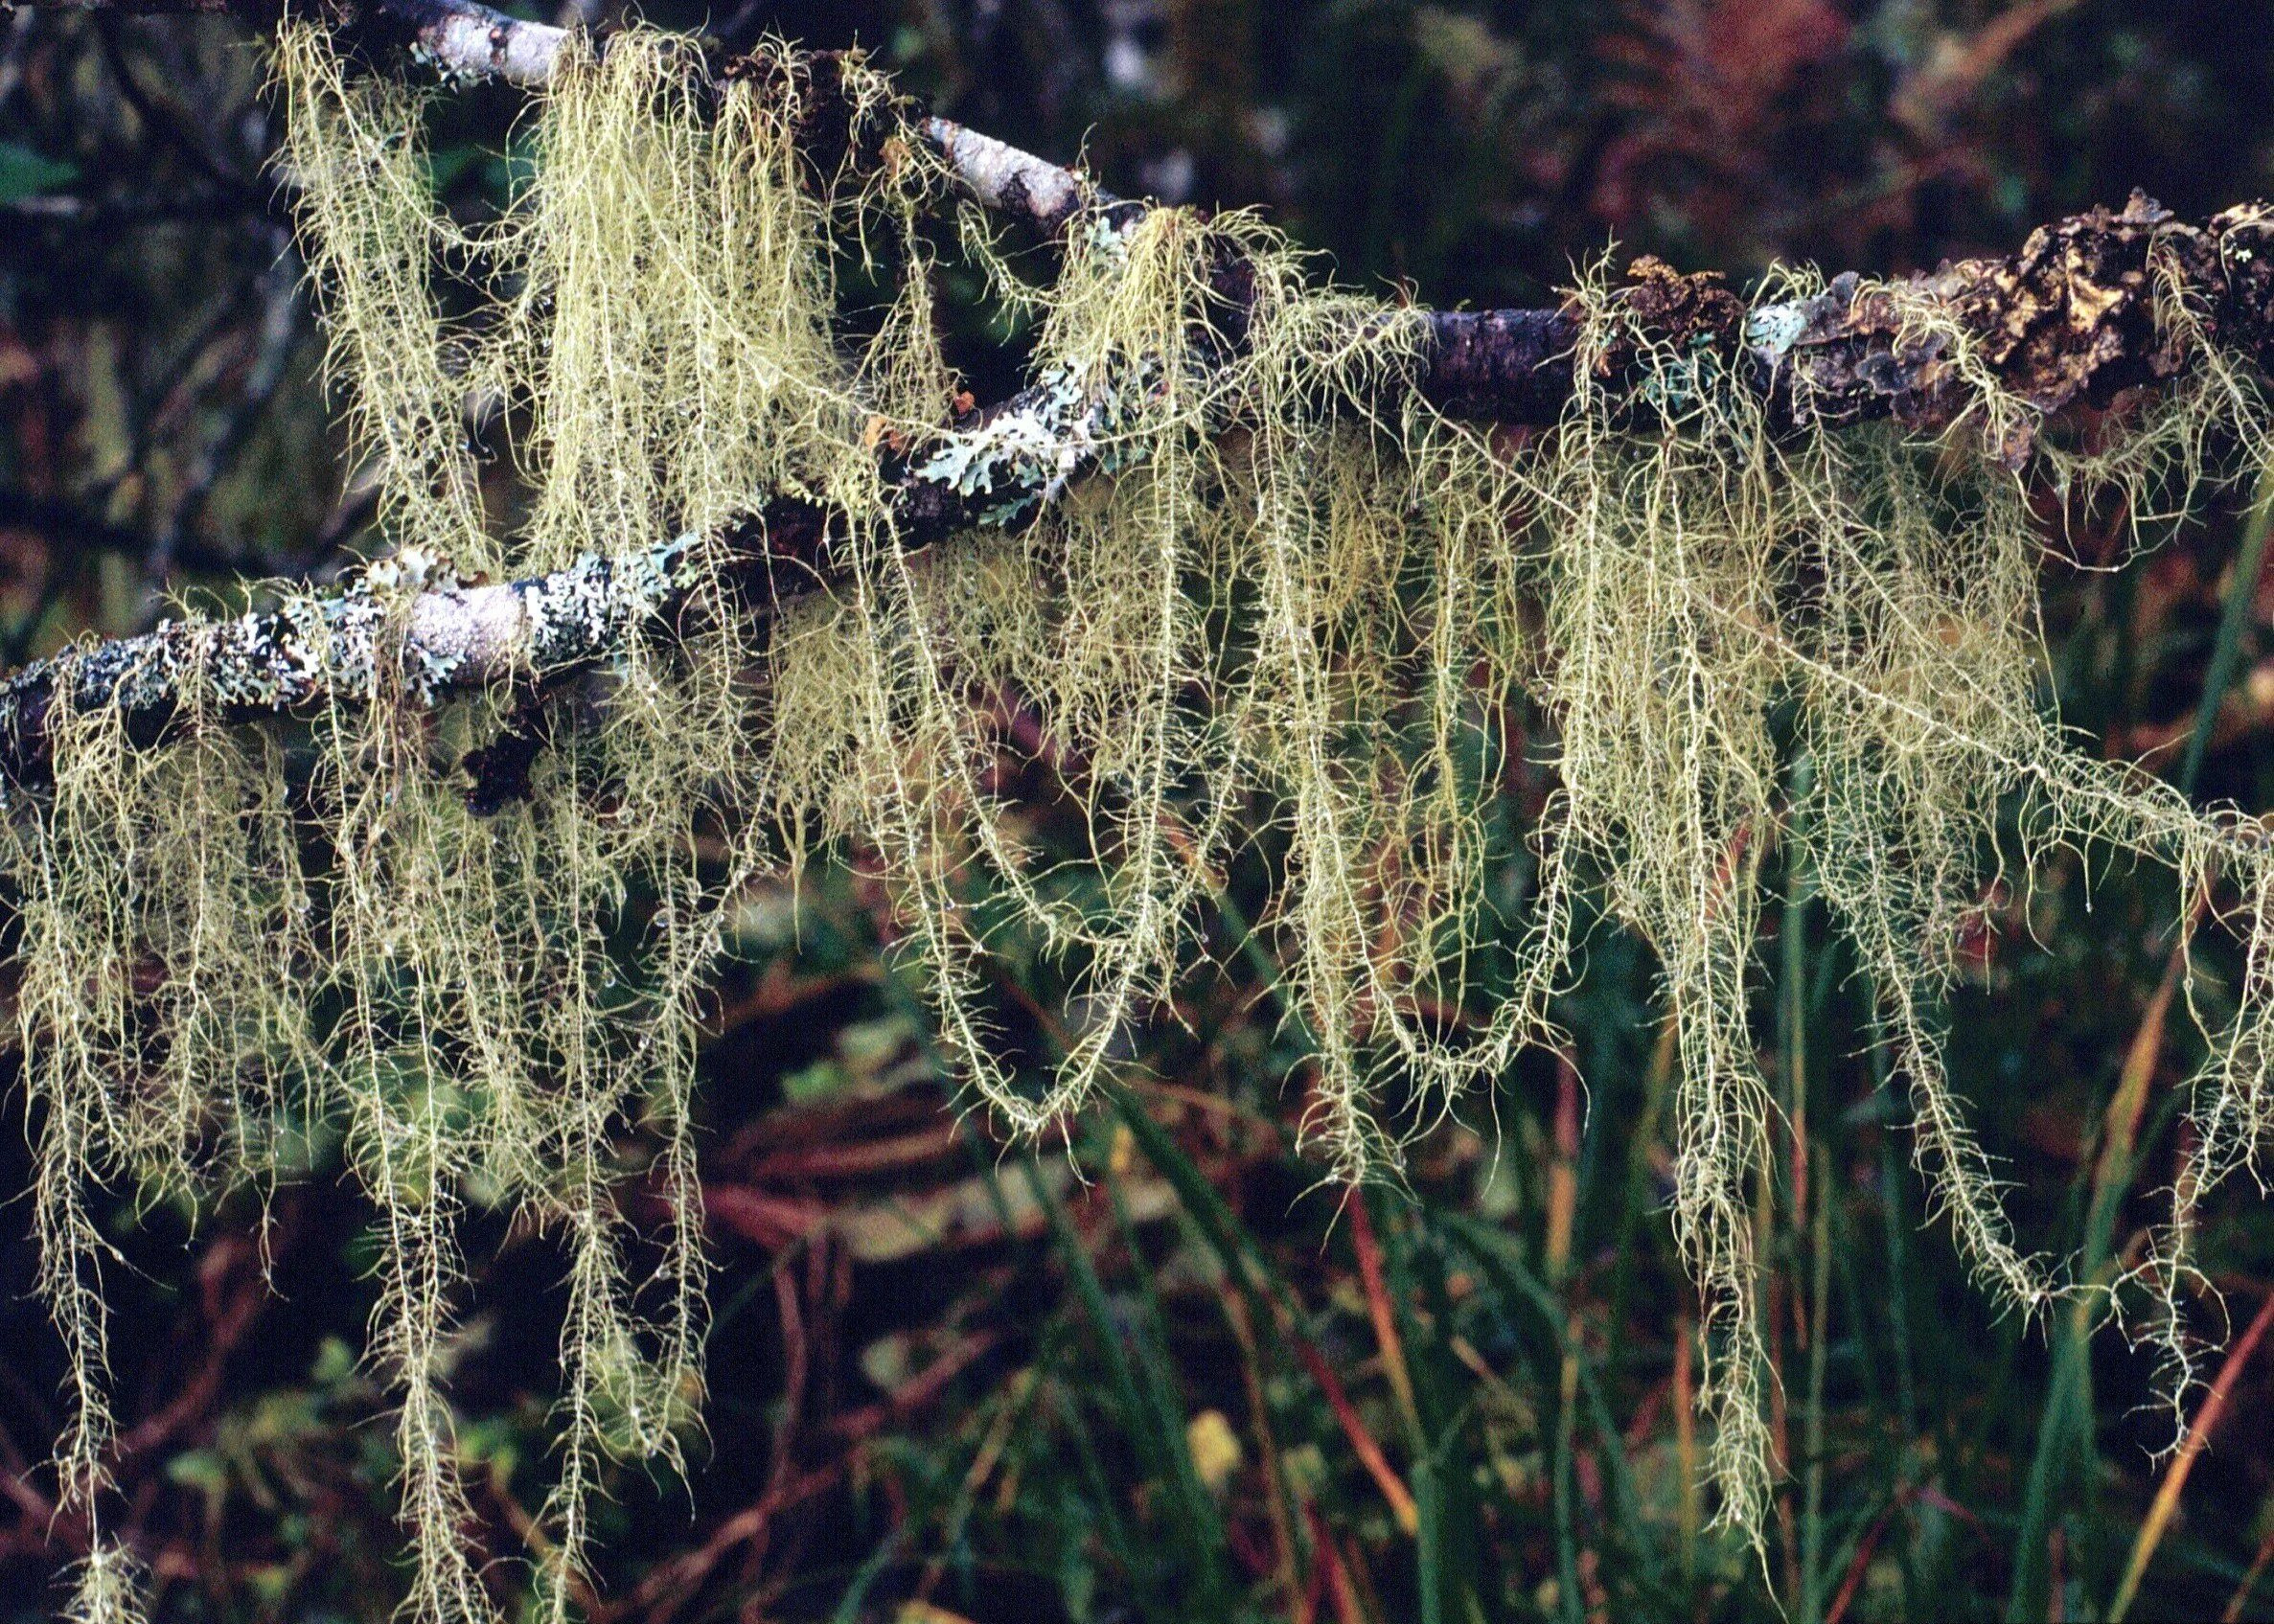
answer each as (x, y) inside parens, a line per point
(1296, 606)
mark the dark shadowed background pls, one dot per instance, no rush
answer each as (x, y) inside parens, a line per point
(1167, 1376)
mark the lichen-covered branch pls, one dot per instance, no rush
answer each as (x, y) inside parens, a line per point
(406, 622)
(2070, 317)
(1304, 603)
(2082, 314)
(463, 39)
(410, 623)
(2091, 306)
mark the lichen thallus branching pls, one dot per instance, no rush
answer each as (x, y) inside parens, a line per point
(1295, 597)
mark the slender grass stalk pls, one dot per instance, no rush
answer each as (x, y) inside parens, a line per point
(1567, 1553)
(1813, 1569)
(1281, 1497)
(1368, 1248)
(2165, 1504)
(1635, 1200)
(2259, 1564)
(2226, 649)
(1156, 1421)
(2065, 1429)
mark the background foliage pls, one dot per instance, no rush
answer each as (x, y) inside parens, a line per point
(1166, 1376)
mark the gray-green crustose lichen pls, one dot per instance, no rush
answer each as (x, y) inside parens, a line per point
(405, 620)
(1063, 427)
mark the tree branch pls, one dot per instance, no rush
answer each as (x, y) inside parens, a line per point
(2069, 318)
(2078, 317)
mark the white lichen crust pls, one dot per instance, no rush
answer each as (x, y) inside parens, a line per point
(405, 626)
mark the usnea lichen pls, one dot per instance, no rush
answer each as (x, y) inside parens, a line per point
(1269, 597)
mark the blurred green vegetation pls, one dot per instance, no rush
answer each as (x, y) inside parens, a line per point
(1156, 1372)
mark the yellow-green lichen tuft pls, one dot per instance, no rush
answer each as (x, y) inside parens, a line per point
(1268, 598)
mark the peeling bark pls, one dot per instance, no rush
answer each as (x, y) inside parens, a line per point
(2069, 320)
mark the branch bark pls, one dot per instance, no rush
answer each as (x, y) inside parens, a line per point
(2078, 317)
(2069, 318)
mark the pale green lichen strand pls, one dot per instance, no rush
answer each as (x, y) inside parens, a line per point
(1270, 605)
